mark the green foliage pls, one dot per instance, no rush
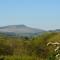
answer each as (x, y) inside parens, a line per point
(5, 50)
(14, 48)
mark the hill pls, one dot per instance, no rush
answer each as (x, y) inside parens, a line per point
(57, 30)
(14, 48)
(20, 30)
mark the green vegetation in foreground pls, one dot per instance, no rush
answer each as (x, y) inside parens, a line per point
(13, 48)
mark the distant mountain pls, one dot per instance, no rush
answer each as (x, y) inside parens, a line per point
(20, 30)
(57, 30)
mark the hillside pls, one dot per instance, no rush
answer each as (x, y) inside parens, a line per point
(20, 30)
(12, 48)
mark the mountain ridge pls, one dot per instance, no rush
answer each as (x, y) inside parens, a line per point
(21, 30)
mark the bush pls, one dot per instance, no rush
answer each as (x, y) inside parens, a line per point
(5, 50)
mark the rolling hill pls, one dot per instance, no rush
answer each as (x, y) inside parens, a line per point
(20, 30)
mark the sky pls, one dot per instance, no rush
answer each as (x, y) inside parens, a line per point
(42, 14)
